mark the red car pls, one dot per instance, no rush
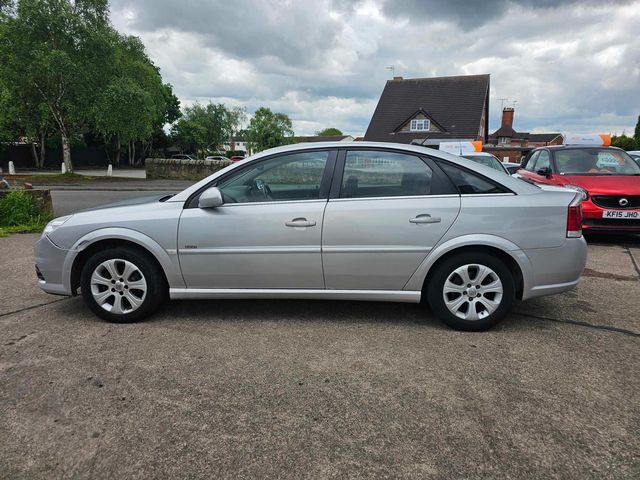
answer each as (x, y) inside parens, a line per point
(607, 177)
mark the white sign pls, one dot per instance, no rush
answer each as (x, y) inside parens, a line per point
(460, 148)
(592, 139)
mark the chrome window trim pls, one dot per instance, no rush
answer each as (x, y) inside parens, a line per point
(399, 197)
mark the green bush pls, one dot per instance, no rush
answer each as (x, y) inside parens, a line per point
(20, 209)
(233, 153)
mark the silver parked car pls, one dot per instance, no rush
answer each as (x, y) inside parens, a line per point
(367, 221)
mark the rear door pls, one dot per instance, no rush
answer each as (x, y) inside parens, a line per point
(386, 211)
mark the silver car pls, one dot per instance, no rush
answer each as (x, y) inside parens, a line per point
(367, 221)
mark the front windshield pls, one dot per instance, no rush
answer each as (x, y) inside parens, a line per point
(488, 161)
(595, 161)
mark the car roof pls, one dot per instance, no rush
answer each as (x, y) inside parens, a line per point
(478, 154)
(566, 147)
(509, 182)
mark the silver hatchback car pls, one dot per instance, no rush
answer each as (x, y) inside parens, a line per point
(367, 221)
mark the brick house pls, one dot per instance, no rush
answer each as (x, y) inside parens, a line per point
(429, 110)
(506, 143)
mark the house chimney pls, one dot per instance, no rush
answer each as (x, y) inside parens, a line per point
(507, 117)
(397, 78)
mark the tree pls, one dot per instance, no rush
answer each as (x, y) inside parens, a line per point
(135, 103)
(329, 132)
(267, 130)
(624, 142)
(636, 133)
(206, 127)
(56, 56)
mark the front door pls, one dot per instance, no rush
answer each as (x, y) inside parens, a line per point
(391, 209)
(267, 233)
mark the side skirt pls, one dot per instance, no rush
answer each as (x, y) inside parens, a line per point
(320, 294)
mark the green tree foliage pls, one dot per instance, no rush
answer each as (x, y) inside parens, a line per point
(204, 128)
(624, 142)
(636, 133)
(267, 130)
(329, 132)
(65, 70)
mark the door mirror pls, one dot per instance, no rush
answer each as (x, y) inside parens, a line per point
(544, 171)
(210, 198)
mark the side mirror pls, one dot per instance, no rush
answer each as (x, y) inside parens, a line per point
(210, 198)
(545, 172)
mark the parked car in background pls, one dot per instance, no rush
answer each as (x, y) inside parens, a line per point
(365, 221)
(216, 157)
(511, 167)
(183, 156)
(484, 158)
(236, 158)
(607, 178)
(635, 154)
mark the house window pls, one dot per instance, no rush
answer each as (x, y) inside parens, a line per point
(420, 125)
(503, 139)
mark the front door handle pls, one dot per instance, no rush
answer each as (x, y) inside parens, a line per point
(425, 218)
(300, 222)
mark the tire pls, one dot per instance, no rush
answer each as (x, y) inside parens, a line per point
(475, 309)
(142, 289)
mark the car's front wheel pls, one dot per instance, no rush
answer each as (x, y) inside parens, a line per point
(122, 285)
(471, 291)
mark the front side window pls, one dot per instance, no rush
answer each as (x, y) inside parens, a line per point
(287, 177)
(420, 125)
(384, 174)
(595, 161)
(469, 183)
(543, 160)
(531, 163)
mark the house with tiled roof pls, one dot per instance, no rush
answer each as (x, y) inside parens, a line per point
(430, 110)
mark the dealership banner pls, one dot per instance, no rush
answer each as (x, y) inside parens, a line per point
(460, 148)
(593, 139)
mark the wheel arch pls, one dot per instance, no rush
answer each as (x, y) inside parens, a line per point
(507, 251)
(113, 238)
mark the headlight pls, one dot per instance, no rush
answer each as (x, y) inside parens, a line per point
(580, 190)
(55, 223)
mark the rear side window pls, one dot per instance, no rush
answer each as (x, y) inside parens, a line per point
(369, 173)
(470, 183)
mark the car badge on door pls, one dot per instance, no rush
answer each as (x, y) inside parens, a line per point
(623, 202)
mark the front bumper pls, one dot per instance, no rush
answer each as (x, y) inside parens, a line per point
(49, 266)
(593, 221)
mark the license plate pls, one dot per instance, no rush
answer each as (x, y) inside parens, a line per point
(621, 215)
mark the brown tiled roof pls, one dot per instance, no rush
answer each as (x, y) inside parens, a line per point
(506, 131)
(455, 103)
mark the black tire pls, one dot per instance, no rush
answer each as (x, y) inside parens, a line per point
(435, 291)
(156, 293)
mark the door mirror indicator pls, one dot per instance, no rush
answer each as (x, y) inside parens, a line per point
(210, 198)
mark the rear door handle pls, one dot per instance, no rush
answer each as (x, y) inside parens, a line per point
(425, 218)
(300, 222)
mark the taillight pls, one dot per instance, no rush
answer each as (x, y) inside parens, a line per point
(574, 218)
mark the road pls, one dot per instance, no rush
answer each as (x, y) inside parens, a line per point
(303, 389)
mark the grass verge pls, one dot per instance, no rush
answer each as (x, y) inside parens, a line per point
(20, 213)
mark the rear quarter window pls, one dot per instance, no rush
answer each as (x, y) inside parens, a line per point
(470, 183)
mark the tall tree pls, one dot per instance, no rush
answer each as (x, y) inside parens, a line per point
(267, 129)
(636, 133)
(206, 127)
(55, 53)
(329, 132)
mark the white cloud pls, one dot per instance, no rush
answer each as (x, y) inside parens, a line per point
(571, 66)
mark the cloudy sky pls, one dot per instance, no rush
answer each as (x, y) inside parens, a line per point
(571, 66)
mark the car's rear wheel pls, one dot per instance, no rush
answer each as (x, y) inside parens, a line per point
(471, 291)
(122, 285)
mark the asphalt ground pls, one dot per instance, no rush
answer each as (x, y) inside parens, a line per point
(302, 389)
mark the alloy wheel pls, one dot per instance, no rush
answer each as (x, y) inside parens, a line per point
(472, 292)
(118, 286)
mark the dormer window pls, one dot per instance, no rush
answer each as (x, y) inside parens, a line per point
(503, 140)
(420, 125)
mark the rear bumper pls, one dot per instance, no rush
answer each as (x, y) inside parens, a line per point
(557, 269)
(49, 266)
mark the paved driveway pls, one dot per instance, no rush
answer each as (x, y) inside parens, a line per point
(300, 389)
